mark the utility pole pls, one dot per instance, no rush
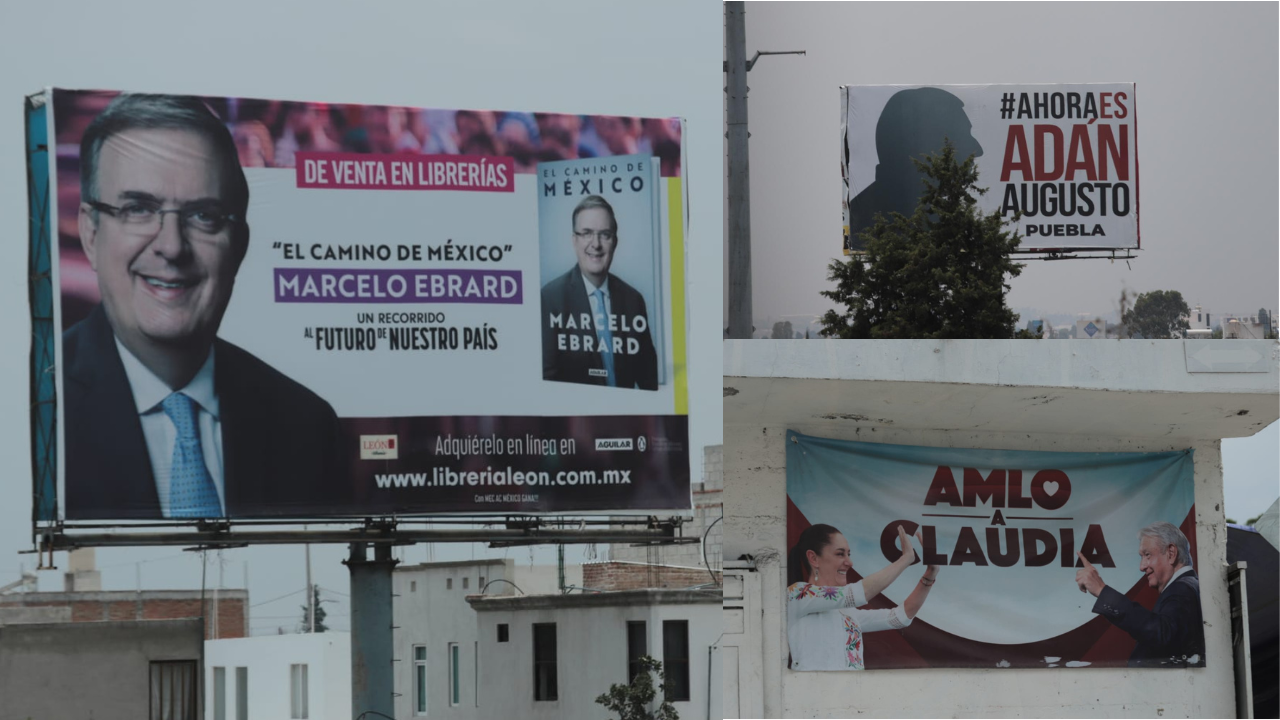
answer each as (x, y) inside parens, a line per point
(311, 596)
(372, 648)
(736, 68)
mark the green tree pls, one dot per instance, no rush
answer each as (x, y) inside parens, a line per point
(782, 330)
(1160, 314)
(630, 701)
(937, 274)
(320, 614)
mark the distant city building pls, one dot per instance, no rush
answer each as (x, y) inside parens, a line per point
(1245, 327)
(305, 675)
(1091, 329)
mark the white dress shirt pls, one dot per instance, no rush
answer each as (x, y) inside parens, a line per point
(158, 430)
(824, 630)
(1185, 569)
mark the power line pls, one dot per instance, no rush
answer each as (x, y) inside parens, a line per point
(268, 602)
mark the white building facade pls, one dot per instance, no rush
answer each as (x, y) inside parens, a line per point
(278, 676)
(464, 655)
(549, 657)
(1136, 395)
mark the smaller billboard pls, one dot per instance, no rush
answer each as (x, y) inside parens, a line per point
(1064, 156)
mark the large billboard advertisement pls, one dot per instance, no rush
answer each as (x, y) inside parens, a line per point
(1064, 156)
(1015, 559)
(291, 309)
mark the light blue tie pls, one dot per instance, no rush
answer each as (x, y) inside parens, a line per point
(602, 327)
(192, 493)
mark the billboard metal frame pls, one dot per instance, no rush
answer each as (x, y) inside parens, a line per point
(512, 531)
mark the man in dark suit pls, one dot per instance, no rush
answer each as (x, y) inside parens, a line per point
(1172, 633)
(162, 419)
(595, 327)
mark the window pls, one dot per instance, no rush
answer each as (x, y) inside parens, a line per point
(464, 582)
(173, 690)
(413, 586)
(675, 658)
(480, 585)
(455, 689)
(298, 691)
(637, 647)
(502, 632)
(544, 661)
(242, 693)
(448, 583)
(219, 693)
(419, 679)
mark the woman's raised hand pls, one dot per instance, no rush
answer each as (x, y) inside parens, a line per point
(908, 552)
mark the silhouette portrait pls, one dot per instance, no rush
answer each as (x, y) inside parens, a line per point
(913, 124)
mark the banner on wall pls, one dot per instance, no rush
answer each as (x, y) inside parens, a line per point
(1004, 535)
(1065, 156)
(272, 308)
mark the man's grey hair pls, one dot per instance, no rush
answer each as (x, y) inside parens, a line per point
(595, 202)
(136, 111)
(1169, 534)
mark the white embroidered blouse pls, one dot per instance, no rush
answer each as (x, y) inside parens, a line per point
(825, 631)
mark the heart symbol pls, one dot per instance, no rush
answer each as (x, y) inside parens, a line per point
(1051, 487)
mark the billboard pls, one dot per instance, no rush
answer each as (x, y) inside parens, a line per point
(1065, 156)
(1018, 558)
(286, 309)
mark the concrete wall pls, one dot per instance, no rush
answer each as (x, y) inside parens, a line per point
(88, 670)
(591, 651)
(268, 659)
(756, 525)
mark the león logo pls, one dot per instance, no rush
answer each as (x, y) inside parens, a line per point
(379, 447)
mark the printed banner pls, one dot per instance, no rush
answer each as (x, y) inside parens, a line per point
(1064, 156)
(276, 308)
(1007, 539)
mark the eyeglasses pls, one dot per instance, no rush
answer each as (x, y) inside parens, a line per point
(145, 218)
(603, 235)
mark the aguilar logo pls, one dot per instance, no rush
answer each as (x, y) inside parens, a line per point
(613, 444)
(379, 447)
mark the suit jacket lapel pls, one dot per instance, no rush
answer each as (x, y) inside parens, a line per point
(245, 444)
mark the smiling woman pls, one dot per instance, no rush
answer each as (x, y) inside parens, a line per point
(824, 630)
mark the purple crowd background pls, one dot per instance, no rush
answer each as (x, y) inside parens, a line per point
(270, 133)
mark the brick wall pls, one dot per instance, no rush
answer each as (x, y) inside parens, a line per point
(153, 605)
(616, 575)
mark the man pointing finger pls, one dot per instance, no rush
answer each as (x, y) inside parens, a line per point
(1172, 633)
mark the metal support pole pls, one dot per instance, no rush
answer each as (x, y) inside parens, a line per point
(372, 654)
(739, 180)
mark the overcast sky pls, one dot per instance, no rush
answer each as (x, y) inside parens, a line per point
(655, 59)
(1206, 77)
